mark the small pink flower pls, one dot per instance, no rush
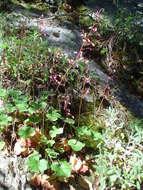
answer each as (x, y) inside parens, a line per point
(70, 61)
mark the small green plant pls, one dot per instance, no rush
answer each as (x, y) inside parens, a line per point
(90, 137)
(36, 164)
(62, 169)
(119, 163)
(75, 144)
(25, 131)
(38, 104)
(46, 131)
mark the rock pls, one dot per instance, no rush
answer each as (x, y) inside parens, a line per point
(118, 90)
(130, 101)
(61, 34)
(100, 74)
(13, 172)
(66, 39)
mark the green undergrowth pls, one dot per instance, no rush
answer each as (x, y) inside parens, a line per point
(39, 90)
(119, 40)
(122, 32)
(44, 119)
(119, 163)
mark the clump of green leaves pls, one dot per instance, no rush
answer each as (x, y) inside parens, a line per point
(38, 78)
(36, 164)
(76, 145)
(119, 162)
(62, 168)
(89, 136)
(34, 68)
(42, 128)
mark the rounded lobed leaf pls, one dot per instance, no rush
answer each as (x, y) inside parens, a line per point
(26, 131)
(76, 145)
(62, 169)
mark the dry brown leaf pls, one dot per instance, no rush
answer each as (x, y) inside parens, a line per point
(42, 181)
(63, 143)
(84, 168)
(35, 180)
(35, 136)
(78, 165)
(46, 184)
(21, 148)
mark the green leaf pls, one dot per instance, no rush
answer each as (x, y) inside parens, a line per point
(54, 116)
(10, 107)
(33, 107)
(25, 131)
(14, 93)
(103, 51)
(43, 165)
(2, 145)
(138, 186)
(3, 92)
(31, 110)
(50, 143)
(43, 104)
(113, 179)
(76, 145)
(84, 131)
(69, 121)
(44, 95)
(55, 131)
(5, 119)
(62, 169)
(33, 162)
(35, 118)
(21, 103)
(102, 184)
(51, 153)
(47, 142)
(97, 135)
(21, 106)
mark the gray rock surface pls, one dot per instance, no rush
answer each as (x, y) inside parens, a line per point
(61, 34)
(119, 91)
(13, 173)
